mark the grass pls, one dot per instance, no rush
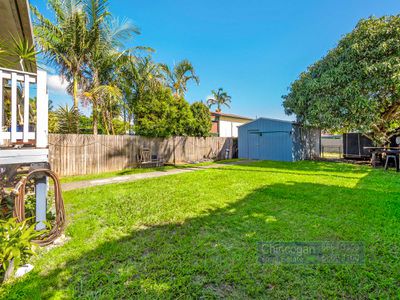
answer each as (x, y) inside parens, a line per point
(68, 179)
(332, 155)
(195, 235)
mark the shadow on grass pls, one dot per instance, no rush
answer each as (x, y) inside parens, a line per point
(143, 170)
(215, 255)
(312, 166)
(293, 172)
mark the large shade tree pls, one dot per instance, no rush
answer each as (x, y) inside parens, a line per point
(356, 86)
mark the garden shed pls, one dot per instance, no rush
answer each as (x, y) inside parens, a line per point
(280, 140)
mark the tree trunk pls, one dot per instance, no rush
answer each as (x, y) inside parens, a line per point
(105, 123)
(76, 99)
(95, 117)
(125, 120)
(110, 118)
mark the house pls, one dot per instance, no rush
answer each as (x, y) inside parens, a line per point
(280, 140)
(226, 125)
(18, 84)
(23, 129)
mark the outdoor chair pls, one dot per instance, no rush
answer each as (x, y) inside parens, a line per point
(391, 156)
(145, 159)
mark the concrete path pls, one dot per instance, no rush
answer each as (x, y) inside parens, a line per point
(134, 177)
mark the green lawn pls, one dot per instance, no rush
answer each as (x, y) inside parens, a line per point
(104, 175)
(195, 235)
(132, 171)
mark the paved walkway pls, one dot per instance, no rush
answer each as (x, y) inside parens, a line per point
(134, 177)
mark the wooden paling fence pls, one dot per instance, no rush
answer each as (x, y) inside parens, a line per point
(78, 154)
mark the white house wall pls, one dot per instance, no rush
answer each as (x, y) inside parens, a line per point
(228, 128)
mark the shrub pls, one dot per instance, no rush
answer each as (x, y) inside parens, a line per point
(16, 243)
(161, 114)
(201, 125)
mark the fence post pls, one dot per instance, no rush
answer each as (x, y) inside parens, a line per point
(174, 147)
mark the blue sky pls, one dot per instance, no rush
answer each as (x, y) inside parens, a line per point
(253, 49)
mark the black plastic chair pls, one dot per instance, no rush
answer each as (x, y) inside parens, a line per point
(389, 156)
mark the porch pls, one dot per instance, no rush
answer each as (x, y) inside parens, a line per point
(23, 117)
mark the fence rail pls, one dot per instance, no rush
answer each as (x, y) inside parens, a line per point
(74, 154)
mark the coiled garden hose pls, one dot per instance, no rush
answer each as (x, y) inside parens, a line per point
(19, 205)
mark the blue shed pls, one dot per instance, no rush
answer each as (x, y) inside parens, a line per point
(270, 139)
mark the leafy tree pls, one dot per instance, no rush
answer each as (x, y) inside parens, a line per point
(120, 127)
(53, 122)
(219, 98)
(86, 124)
(356, 86)
(160, 114)
(178, 77)
(201, 125)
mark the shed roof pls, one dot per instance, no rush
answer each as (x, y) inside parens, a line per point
(268, 119)
(16, 22)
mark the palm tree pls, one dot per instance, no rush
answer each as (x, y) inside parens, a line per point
(65, 41)
(67, 119)
(106, 36)
(18, 52)
(20, 49)
(138, 75)
(178, 77)
(83, 43)
(219, 98)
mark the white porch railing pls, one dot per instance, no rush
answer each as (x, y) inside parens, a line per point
(19, 128)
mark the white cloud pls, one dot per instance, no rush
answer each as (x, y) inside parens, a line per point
(56, 83)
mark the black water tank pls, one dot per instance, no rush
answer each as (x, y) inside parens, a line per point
(353, 145)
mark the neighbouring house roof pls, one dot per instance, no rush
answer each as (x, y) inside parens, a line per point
(16, 22)
(230, 116)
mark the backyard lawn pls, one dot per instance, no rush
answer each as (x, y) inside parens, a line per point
(125, 172)
(196, 235)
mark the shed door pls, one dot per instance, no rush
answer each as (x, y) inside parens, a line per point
(253, 144)
(276, 146)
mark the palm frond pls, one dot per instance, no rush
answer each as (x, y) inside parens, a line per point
(116, 32)
(96, 11)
